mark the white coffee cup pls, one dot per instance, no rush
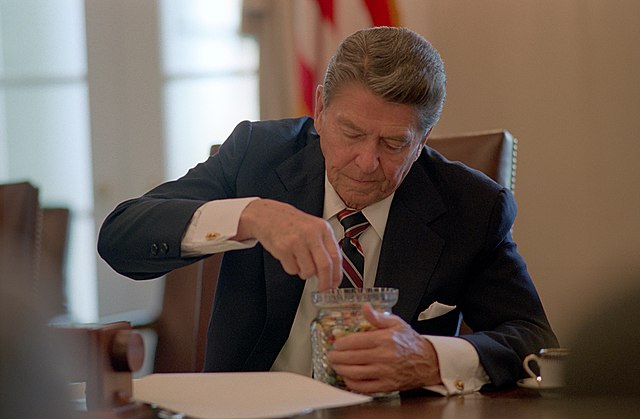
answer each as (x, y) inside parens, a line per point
(551, 363)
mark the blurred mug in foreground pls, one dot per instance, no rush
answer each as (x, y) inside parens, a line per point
(551, 365)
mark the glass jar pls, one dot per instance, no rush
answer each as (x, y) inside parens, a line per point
(339, 314)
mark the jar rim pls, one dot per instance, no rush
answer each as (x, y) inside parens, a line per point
(347, 296)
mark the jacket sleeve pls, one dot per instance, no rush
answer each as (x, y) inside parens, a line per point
(501, 304)
(141, 238)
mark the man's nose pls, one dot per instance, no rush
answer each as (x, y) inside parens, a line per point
(368, 158)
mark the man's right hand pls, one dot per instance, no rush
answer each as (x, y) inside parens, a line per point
(303, 243)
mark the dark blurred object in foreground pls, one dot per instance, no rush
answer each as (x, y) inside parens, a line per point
(33, 363)
(604, 352)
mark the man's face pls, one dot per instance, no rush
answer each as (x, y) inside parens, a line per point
(368, 144)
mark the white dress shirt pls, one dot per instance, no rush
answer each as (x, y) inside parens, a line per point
(216, 222)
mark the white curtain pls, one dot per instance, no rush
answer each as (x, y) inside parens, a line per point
(270, 21)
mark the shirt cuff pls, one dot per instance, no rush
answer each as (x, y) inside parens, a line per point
(460, 368)
(213, 225)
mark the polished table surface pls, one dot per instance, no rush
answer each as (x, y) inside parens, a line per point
(511, 403)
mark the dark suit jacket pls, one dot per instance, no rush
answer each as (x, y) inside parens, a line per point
(447, 239)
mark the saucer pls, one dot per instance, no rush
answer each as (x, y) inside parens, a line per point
(533, 384)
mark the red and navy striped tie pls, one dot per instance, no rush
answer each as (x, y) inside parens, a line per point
(354, 223)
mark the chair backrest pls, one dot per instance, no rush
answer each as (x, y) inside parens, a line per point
(189, 291)
(33, 246)
(19, 236)
(183, 322)
(492, 152)
(53, 256)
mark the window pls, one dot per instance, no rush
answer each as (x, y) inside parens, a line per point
(44, 130)
(211, 78)
(209, 75)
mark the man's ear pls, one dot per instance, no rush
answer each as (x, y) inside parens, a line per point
(426, 137)
(422, 144)
(317, 111)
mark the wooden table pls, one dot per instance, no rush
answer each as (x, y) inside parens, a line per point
(111, 386)
(513, 403)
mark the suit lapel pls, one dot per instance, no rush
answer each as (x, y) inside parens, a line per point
(410, 248)
(302, 179)
(302, 185)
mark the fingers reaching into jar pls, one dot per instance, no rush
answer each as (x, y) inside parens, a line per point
(303, 243)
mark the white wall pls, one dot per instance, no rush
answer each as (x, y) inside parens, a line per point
(564, 77)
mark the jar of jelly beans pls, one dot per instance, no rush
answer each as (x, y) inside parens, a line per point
(339, 314)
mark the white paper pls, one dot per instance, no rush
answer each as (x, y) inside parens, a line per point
(240, 395)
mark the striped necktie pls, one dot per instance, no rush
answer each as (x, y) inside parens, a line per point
(354, 223)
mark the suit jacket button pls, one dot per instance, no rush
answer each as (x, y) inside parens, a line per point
(154, 249)
(164, 248)
(459, 384)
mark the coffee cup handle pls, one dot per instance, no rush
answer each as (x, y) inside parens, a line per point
(525, 364)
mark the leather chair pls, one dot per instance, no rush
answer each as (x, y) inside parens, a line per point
(20, 223)
(53, 255)
(33, 246)
(189, 291)
(492, 152)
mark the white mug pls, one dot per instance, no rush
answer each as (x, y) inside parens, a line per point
(551, 363)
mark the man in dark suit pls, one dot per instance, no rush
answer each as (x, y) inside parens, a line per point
(439, 232)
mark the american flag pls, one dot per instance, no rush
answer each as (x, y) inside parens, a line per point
(319, 27)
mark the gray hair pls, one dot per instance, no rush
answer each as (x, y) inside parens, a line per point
(396, 64)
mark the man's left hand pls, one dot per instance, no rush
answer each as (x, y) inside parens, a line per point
(391, 357)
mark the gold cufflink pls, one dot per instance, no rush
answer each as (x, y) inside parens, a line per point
(212, 236)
